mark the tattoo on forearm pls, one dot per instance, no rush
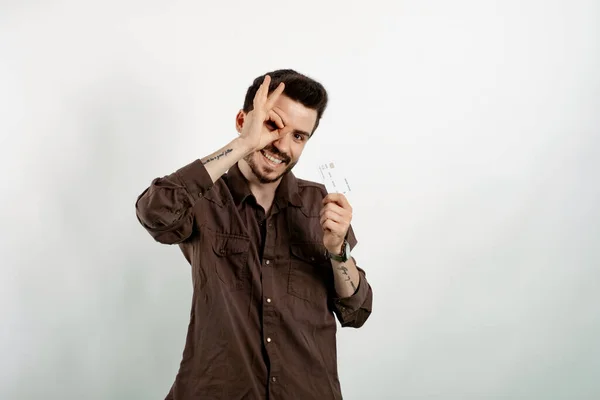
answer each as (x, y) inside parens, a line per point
(345, 272)
(218, 156)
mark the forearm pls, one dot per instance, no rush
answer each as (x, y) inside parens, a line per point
(352, 306)
(346, 277)
(165, 208)
(220, 161)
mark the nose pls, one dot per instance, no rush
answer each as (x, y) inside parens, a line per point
(283, 143)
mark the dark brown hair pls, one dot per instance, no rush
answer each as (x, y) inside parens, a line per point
(298, 87)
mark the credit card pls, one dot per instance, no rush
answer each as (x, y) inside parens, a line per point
(333, 179)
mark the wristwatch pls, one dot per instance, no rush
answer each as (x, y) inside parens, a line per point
(344, 255)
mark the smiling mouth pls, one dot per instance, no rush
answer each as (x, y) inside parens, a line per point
(272, 160)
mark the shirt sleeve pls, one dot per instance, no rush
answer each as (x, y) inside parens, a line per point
(354, 311)
(165, 208)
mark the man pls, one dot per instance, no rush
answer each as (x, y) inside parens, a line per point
(270, 255)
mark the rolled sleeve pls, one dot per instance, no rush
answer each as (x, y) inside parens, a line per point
(196, 180)
(165, 209)
(354, 311)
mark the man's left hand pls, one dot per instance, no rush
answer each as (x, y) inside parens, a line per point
(336, 216)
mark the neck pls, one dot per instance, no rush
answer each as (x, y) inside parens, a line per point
(264, 192)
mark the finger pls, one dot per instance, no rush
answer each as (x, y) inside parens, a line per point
(333, 226)
(334, 208)
(261, 94)
(338, 198)
(264, 89)
(274, 96)
(340, 219)
(277, 120)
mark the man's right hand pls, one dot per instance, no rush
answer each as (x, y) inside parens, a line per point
(262, 125)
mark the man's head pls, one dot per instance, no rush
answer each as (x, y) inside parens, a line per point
(300, 107)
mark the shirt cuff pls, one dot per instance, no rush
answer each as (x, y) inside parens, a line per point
(348, 305)
(196, 179)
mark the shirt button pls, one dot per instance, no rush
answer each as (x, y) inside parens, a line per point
(267, 262)
(268, 340)
(268, 299)
(274, 379)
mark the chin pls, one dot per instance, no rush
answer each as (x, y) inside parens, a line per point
(266, 173)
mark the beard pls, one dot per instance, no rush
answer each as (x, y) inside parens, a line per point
(266, 176)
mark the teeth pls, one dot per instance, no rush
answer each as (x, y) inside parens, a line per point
(271, 158)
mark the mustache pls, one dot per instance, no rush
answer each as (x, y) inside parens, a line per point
(273, 150)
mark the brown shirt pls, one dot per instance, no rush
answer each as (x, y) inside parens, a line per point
(262, 323)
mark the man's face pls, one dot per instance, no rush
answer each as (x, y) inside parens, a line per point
(279, 157)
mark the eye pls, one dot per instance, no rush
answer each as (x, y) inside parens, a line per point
(299, 136)
(271, 125)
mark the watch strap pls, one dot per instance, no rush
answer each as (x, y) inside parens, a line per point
(344, 255)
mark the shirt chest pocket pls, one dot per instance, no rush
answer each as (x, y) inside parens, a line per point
(310, 274)
(230, 260)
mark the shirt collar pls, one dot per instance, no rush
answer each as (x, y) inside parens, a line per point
(286, 192)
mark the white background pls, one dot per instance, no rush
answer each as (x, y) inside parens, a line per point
(469, 132)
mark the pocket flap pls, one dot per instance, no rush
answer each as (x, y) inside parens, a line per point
(224, 244)
(310, 252)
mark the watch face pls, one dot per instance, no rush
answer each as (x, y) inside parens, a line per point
(347, 251)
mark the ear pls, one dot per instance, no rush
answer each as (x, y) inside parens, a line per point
(239, 121)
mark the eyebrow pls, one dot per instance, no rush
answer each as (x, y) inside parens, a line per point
(298, 131)
(302, 133)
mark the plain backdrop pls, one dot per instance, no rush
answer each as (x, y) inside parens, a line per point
(468, 131)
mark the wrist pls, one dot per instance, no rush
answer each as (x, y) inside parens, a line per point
(243, 144)
(337, 249)
(341, 253)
